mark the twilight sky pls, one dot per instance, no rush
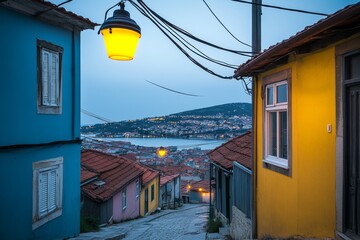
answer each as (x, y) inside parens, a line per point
(118, 90)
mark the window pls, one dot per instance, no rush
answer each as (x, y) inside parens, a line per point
(152, 192)
(47, 191)
(124, 199)
(276, 121)
(49, 78)
(137, 189)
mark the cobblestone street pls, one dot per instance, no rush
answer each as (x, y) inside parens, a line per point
(185, 223)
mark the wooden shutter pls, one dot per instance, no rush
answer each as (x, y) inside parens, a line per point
(45, 77)
(48, 191)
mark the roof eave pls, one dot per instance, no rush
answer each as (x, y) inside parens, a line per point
(260, 61)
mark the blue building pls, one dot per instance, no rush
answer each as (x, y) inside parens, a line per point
(39, 120)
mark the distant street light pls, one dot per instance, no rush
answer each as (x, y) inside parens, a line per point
(161, 152)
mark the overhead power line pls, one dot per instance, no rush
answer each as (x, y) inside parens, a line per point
(283, 8)
(96, 116)
(187, 94)
(207, 5)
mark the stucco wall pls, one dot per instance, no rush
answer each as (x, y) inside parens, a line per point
(18, 85)
(303, 203)
(132, 209)
(153, 205)
(17, 190)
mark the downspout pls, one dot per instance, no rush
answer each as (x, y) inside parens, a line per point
(73, 73)
(254, 158)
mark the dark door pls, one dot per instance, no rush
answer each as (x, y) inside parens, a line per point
(146, 204)
(227, 186)
(352, 145)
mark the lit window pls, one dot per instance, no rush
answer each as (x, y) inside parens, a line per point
(276, 124)
(47, 190)
(49, 78)
(124, 199)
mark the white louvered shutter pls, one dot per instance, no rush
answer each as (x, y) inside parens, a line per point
(48, 191)
(45, 77)
(54, 80)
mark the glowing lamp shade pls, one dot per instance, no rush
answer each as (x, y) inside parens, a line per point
(161, 152)
(120, 43)
(121, 35)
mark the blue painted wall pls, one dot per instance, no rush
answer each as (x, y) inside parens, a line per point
(21, 124)
(16, 193)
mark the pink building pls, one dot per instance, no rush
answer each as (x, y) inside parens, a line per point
(112, 192)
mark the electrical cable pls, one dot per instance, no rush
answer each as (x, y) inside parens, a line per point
(207, 5)
(282, 8)
(187, 94)
(175, 43)
(96, 116)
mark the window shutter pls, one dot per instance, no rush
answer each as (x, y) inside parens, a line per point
(45, 77)
(43, 193)
(52, 190)
(54, 79)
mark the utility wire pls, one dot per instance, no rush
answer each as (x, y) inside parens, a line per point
(145, 11)
(96, 116)
(207, 5)
(187, 94)
(282, 8)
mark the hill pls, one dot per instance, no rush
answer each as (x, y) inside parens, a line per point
(221, 121)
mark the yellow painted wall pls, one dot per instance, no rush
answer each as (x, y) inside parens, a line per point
(304, 203)
(153, 205)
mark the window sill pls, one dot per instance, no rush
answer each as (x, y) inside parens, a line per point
(282, 163)
(43, 220)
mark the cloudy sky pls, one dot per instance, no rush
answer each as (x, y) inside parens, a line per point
(119, 90)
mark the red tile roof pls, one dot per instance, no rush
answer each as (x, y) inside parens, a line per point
(87, 175)
(149, 175)
(341, 24)
(201, 186)
(115, 172)
(237, 149)
(168, 178)
(48, 11)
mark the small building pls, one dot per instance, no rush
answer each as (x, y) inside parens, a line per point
(170, 194)
(231, 166)
(199, 192)
(110, 187)
(306, 93)
(150, 186)
(40, 120)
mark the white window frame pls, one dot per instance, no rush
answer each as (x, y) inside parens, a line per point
(124, 199)
(49, 78)
(47, 203)
(270, 108)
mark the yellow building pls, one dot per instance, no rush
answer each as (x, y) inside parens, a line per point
(306, 127)
(149, 196)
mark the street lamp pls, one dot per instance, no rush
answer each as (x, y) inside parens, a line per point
(121, 35)
(161, 152)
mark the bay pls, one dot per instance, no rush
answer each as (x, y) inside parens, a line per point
(180, 143)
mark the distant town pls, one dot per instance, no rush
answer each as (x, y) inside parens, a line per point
(218, 122)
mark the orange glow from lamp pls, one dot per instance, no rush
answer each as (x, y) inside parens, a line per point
(121, 35)
(200, 189)
(161, 152)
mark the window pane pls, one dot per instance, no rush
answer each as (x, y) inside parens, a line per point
(283, 141)
(272, 134)
(269, 96)
(281, 96)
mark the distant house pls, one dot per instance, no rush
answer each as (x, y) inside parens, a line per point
(40, 120)
(231, 165)
(150, 186)
(199, 192)
(306, 93)
(110, 187)
(170, 194)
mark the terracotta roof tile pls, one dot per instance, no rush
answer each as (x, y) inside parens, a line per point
(115, 173)
(340, 24)
(168, 178)
(237, 149)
